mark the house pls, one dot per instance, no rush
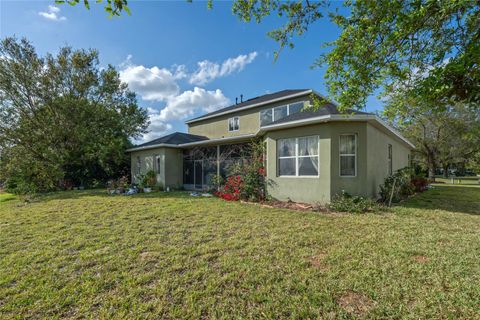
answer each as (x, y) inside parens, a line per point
(310, 156)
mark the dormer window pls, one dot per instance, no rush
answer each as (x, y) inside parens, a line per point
(234, 124)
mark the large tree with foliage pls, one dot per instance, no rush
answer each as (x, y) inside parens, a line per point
(430, 47)
(62, 117)
(443, 138)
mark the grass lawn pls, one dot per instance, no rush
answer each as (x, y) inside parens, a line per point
(6, 196)
(85, 254)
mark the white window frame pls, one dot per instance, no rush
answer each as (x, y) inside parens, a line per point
(158, 161)
(296, 157)
(233, 119)
(347, 155)
(283, 105)
(139, 165)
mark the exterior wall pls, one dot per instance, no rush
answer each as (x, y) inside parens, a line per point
(353, 185)
(371, 159)
(171, 166)
(249, 121)
(300, 189)
(377, 157)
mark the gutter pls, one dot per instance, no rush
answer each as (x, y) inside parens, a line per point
(190, 144)
(286, 125)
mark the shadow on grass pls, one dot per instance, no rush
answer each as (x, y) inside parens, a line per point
(457, 198)
(78, 194)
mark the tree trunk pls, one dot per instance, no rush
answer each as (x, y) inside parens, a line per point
(431, 167)
(445, 170)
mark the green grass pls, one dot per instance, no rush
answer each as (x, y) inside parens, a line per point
(85, 254)
(6, 196)
(459, 180)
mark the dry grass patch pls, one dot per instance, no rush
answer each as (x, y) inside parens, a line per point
(356, 304)
(420, 259)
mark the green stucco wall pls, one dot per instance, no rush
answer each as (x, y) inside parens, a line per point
(353, 185)
(171, 165)
(377, 157)
(372, 162)
(300, 189)
(249, 121)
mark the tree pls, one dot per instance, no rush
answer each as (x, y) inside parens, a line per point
(426, 46)
(444, 138)
(62, 118)
(113, 7)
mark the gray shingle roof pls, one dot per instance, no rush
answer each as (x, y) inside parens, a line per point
(175, 138)
(252, 101)
(327, 109)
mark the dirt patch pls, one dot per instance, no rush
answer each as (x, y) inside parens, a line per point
(420, 259)
(355, 303)
(318, 262)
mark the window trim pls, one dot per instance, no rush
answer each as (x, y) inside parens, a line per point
(390, 158)
(272, 109)
(158, 161)
(228, 124)
(296, 157)
(139, 165)
(347, 155)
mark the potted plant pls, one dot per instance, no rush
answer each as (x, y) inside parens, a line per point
(111, 186)
(149, 181)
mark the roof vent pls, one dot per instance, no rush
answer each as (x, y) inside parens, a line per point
(241, 98)
(236, 100)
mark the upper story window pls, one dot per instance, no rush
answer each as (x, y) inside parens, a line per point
(348, 155)
(234, 124)
(298, 157)
(269, 115)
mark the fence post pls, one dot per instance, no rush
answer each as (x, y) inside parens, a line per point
(391, 194)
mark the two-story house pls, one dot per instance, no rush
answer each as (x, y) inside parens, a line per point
(310, 156)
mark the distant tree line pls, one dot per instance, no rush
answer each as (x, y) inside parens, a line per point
(64, 120)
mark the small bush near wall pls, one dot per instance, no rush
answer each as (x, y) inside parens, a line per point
(353, 204)
(405, 184)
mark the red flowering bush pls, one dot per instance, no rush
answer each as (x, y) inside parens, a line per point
(246, 179)
(231, 191)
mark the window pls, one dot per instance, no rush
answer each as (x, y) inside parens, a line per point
(158, 161)
(390, 160)
(269, 115)
(298, 157)
(233, 124)
(348, 155)
(280, 112)
(139, 165)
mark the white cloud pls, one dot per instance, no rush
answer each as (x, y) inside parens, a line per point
(150, 83)
(52, 13)
(208, 71)
(158, 126)
(191, 101)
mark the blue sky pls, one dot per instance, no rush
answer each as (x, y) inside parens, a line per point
(181, 58)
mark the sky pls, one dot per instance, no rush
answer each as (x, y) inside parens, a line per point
(181, 59)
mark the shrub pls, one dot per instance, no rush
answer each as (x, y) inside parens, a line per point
(352, 204)
(420, 184)
(231, 191)
(246, 179)
(403, 186)
(149, 179)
